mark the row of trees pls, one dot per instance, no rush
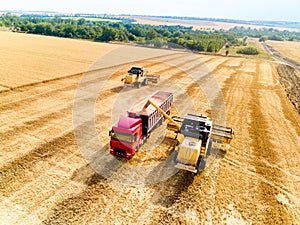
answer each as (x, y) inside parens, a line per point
(105, 31)
(158, 36)
(266, 34)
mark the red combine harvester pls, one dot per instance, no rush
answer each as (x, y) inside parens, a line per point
(131, 132)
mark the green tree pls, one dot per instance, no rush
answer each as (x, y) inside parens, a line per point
(108, 34)
(81, 21)
(82, 32)
(122, 34)
(68, 30)
(137, 30)
(151, 34)
(43, 28)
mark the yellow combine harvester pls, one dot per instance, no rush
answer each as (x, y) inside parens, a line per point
(138, 76)
(195, 135)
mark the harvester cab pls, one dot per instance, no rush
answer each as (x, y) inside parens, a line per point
(137, 70)
(135, 77)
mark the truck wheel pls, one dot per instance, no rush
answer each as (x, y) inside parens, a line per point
(202, 164)
(144, 140)
(138, 85)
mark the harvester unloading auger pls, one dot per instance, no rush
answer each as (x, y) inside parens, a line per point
(195, 135)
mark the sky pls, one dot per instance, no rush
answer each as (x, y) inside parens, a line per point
(275, 10)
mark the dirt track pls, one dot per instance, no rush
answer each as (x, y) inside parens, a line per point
(44, 179)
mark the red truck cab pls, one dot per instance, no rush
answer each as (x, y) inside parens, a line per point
(126, 137)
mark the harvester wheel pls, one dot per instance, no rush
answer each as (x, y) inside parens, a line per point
(175, 157)
(209, 147)
(145, 83)
(202, 164)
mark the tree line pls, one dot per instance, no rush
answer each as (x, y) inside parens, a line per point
(105, 31)
(125, 31)
(266, 33)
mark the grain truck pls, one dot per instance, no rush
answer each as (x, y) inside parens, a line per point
(133, 130)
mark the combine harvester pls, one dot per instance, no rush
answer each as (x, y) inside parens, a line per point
(194, 133)
(138, 76)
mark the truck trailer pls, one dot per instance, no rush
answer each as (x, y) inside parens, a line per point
(133, 130)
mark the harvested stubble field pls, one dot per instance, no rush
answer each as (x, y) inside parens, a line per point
(44, 178)
(29, 58)
(289, 49)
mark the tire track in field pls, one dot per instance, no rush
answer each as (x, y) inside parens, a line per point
(31, 124)
(58, 94)
(25, 161)
(65, 80)
(181, 204)
(23, 95)
(14, 174)
(185, 69)
(245, 117)
(90, 71)
(237, 98)
(23, 103)
(45, 183)
(180, 207)
(42, 191)
(50, 111)
(211, 186)
(37, 122)
(264, 148)
(16, 170)
(72, 210)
